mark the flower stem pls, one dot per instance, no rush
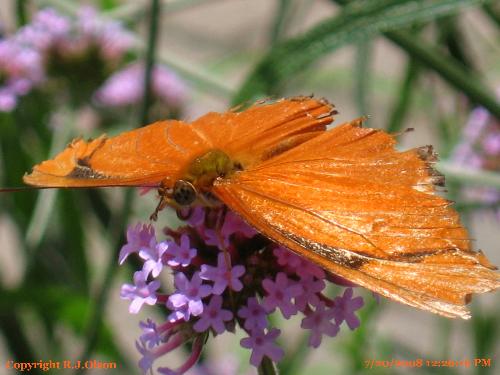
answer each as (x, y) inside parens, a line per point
(267, 367)
(469, 176)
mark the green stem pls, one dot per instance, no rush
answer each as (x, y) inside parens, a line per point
(267, 367)
(447, 68)
(46, 198)
(21, 6)
(469, 176)
(120, 220)
(362, 76)
(280, 20)
(493, 13)
(150, 59)
(403, 97)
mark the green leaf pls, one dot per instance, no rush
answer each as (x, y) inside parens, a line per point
(449, 69)
(403, 98)
(357, 21)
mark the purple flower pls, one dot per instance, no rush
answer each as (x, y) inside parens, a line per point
(150, 336)
(147, 359)
(309, 295)
(187, 299)
(213, 316)
(179, 255)
(138, 238)
(223, 277)
(126, 87)
(345, 307)
(140, 293)
(478, 120)
(254, 314)
(286, 258)
(153, 259)
(280, 294)
(491, 144)
(319, 322)
(197, 217)
(8, 101)
(306, 268)
(262, 344)
(232, 224)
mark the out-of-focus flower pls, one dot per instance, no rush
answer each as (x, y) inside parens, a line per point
(126, 87)
(237, 281)
(20, 70)
(480, 149)
(81, 51)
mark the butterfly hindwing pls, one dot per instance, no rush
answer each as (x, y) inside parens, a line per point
(353, 204)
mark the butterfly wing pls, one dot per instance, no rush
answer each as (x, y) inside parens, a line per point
(350, 202)
(266, 129)
(141, 157)
(163, 150)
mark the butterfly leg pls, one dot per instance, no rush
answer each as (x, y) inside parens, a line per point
(166, 199)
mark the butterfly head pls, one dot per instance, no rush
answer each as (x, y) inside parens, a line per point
(193, 188)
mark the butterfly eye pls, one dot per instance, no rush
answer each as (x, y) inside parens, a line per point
(184, 193)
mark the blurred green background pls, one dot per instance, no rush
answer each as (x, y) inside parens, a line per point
(431, 65)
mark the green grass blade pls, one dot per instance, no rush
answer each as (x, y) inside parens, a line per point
(358, 20)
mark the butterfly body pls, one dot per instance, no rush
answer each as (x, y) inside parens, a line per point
(344, 197)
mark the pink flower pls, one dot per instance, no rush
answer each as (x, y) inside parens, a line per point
(319, 322)
(179, 255)
(126, 87)
(187, 299)
(262, 344)
(232, 224)
(254, 314)
(138, 238)
(213, 316)
(223, 277)
(309, 295)
(280, 294)
(345, 307)
(140, 293)
(150, 336)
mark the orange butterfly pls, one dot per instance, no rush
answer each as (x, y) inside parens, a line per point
(343, 198)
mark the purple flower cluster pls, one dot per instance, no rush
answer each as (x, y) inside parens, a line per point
(227, 275)
(25, 56)
(126, 87)
(480, 149)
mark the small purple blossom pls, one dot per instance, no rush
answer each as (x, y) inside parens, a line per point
(310, 290)
(151, 337)
(279, 294)
(138, 238)
(262, 344)
(126, 87)
(320, 323)
(187, 298)
(223, 275)
(254, 314)
(232, 224)
(345, 307)
(140, 293)
(179, 255)
(213, 316)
